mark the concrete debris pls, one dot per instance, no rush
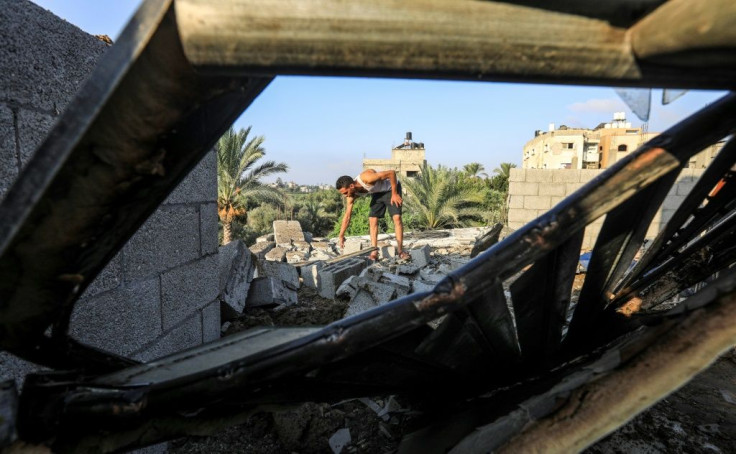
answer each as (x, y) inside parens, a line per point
(321, 255)
(277, 254)
(386, 250)
(400, 283)
(265, 238)
(287, 231)
(339, 440)
(353, 245)
(310, 274)
(431, 276)
(420, 256)
(348, 288)
(270, 291)
(408, 268)
(279, 270)
(236, 271)
(261, 249)
(369, 295)
(296, 257)
(332, 275)
(372, 273)
(301, 246)
(420, 287)
(486, 240)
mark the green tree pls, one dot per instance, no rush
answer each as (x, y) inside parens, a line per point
(437, 198)
(475, 170)
(500, 181)
(238, 177)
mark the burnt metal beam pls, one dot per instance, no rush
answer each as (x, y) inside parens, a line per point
(465, 40)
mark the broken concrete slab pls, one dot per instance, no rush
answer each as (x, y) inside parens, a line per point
(310, 274)
(261, 249)
(408, 268)
(332, 275)
(372, 273)
(279, 270)
(296, 257)
(401, 284)
(386, 250)
(369, 295)
(420, 256)
(277, 254)
(318, 254)
(287, 231)
(348, 288)
(301, 246)
(431, 276)
(486, 240)
(267, 291)
(268, 238)
(352, 245)
(420, 287)
(236, 269)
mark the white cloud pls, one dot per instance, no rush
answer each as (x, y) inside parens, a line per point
(608, 105)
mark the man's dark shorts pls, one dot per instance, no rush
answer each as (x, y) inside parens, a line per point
(382, 200)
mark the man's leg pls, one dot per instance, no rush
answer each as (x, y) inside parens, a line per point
(399, 228)
(373, 224)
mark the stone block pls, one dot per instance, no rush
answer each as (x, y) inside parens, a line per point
(109, 278)
(517, 174)
(285, 232)
(188, 289)
(565, 176)
(296, 257)
(432, 276)
(168, 239)
(523, 188)
(208, 224)
(301, 246)
(537, 203)
(321, 255)
(348, 288)
(538, 176)
(200, 186)
(408, 268)
(572, 187)
(9, 164)
(270, 291)
(369, 295)
(44, 60)
(552, 189)
(587, 175)
(522, 216)
(332, 275)
(186, 334)
(261, 249)
(277, 254)
(16, 369)
(310, 274)
(268, 238)
(32, 130)
(279, 270)
(673, 202)
(236, 266)
(420, 256)
(353, 245)
(554, 200)
(685, 186)
(516, 201)
(121, 320)
(386, 250)
(372, 273)
(211, 322)
(401, 284)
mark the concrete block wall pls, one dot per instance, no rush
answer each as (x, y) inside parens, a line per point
(532, 192)
(159, 294)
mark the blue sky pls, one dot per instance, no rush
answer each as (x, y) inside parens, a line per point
(323, 127)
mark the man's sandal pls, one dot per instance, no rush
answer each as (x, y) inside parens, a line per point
(374, 256)
(404, 255)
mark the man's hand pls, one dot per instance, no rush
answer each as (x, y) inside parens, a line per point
(341, 241)
(396, 199)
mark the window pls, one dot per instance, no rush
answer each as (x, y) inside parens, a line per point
(567, 145)
(412, 173)
(622, 148)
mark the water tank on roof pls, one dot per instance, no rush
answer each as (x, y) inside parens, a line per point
(408, 135)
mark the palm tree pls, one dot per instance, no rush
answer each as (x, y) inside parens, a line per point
(437, 200)
(475, 170)
(500, 180)
(238, 176)
(504, 169)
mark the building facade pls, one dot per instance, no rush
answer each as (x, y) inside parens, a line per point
(407, 159)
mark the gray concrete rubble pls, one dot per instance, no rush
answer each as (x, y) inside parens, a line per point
(354, 245)
(285, 232)
(236, 270)
(262, 248)
(270, 291)
(277, 254)
(296, 256)
(310, 274)
(369, 295)
(279, 270)
(265, 238)
(332, 275)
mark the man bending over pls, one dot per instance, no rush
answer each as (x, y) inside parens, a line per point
(385, 191)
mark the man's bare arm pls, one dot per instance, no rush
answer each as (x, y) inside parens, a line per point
(345, 222)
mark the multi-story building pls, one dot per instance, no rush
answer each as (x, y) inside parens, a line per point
(407, 159)
(599, 148)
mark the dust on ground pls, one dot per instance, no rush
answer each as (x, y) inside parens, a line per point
(698, 418)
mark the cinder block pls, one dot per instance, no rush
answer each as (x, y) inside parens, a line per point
(408, 268)
(236, 266)
(420, 256)
(523, 188)
(277, 254)
(332, 275)
(296, 257)
(683, 187)
(200, 186)
(208, 225)
(538, 176)
(522, 216)
(516, 225)
(8, 158)
(587, 175)
(348, 288)
(267, 291)
(572, 187)
(517, 174)
(301, 246)
(186, 334)
(188, 288)
(386, 250)
(537, 203)
(516, 201)
(554, 200)
(552, 189)
(285, 232)
(32, 130)
(168, 239)
(318, 255)
(673, 202)
(121, 320)
(310, 274)
(565, 176)
(211, 322)
(401, 284)
(109, 278)
(352, 245)
(261, 249)
(369, 295)
(279, 270)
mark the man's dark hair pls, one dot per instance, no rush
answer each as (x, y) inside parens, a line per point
(344, 181)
